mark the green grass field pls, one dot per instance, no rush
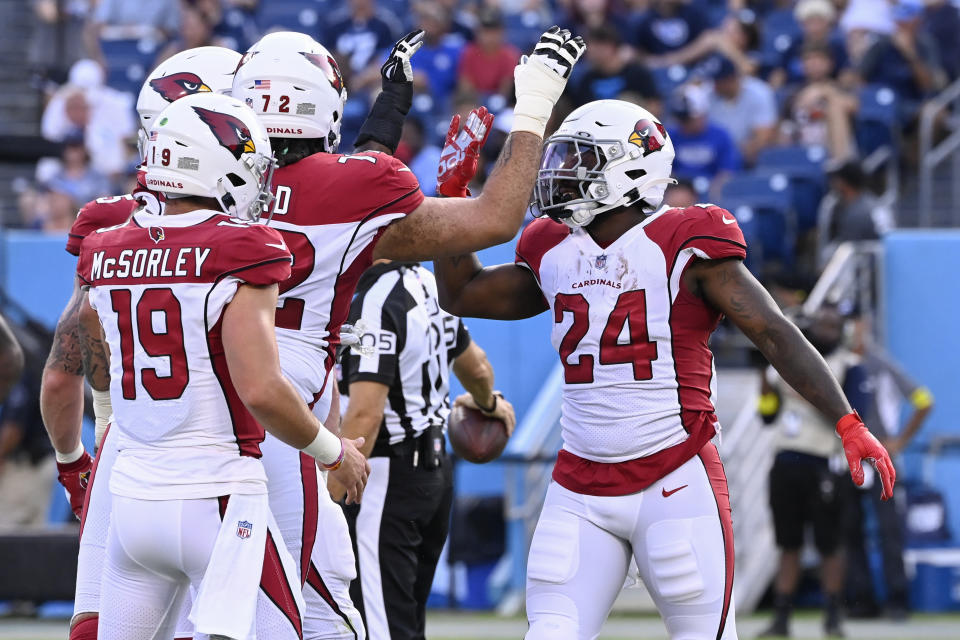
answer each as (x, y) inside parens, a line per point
(467, 626)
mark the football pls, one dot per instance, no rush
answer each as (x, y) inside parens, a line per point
(475, 437)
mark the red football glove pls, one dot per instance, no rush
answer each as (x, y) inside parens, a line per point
(859, 444)
(74, 477)
(458, 160)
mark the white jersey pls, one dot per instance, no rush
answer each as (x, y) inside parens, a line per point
(638, 372)
(160, 286)
(330, 209)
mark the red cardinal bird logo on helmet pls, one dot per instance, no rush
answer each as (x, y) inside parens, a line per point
(648, 135)
(234, 136)
(176, 85)
(329, 66)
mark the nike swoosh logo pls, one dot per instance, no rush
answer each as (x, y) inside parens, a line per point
(667, 494)
(280, 246)
(727, 220)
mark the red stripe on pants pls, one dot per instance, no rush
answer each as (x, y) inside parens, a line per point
(710, 458)
(273, 582)
(273, 579)
(315, 580)
(311, 508)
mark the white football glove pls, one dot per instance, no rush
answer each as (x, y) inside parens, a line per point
(541, 77)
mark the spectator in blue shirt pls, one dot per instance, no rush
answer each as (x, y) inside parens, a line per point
(416, 151)
(942, 21)
(669, 26)
(435, 65)
(817, 19)
(744, 106)
(907, 61)
(609, 74)
(706, 154)
(359, 39)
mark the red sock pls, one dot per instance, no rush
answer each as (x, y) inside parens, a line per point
(85, 629)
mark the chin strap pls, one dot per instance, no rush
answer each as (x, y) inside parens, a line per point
(583, 214)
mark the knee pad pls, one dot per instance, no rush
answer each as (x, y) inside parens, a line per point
(85, 628)
(673, 562)
(555, 549)
(552, 616)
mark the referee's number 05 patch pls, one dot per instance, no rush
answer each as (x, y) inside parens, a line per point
(382, 342)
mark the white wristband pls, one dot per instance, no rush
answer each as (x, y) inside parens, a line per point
(103, 412)
(537, 89)
(326, 447)
(73, 456)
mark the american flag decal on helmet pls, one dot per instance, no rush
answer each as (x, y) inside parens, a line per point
(244, 529)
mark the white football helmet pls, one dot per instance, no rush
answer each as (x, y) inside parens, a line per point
(198, 70)
(605, 155)
(294, 84)
(212, 146)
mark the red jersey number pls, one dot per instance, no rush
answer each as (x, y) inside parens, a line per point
(630, 311)
(167, 343)
(290, 310)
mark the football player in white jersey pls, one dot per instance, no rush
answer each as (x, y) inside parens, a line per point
(199, 70)
(636, 289)
(339, 212)
(186, 304)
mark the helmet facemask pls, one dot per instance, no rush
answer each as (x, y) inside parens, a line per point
(230, 187)
(571, 185)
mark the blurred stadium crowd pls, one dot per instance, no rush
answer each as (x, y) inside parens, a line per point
(759, 97)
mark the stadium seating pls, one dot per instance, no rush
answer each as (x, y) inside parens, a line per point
(763, 206)
(128, 61)
(293, 15)
(803, 166)
(876, 118)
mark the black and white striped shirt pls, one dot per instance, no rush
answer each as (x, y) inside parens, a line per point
(408, 343)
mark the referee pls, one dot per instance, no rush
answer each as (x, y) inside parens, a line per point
(396, 386)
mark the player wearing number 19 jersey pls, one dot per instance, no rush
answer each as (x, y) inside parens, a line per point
(635, 290)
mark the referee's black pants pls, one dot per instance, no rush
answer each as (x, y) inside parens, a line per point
(398, 532)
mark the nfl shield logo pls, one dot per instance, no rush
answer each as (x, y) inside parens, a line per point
(244, 529)
(601, 261)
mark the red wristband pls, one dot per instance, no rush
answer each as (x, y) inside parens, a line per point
(848, 422)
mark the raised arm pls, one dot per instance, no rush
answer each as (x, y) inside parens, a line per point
(731, 289)
(250, 347)
(447, 227)
(384, 124)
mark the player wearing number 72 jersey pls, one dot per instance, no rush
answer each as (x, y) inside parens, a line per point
(635, 290)
(339, 212)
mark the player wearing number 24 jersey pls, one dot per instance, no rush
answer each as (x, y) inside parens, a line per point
(635, 289)
(339, 212)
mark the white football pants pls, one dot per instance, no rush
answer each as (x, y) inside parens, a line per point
(227, 549)
(680, 533)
